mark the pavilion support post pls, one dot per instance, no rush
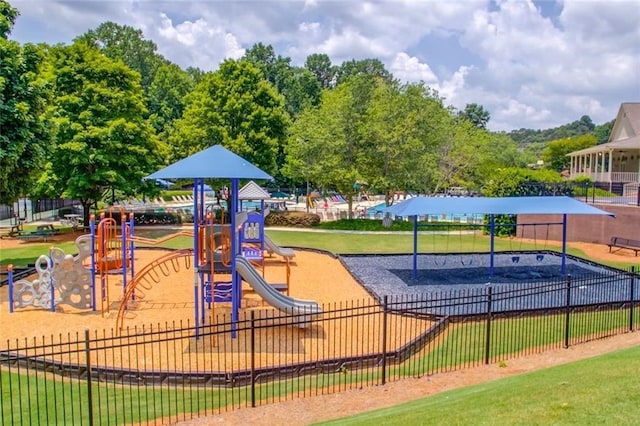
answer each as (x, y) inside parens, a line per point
(236, 283)
(492, 229)
(196, 280)
(415, 248)
(564, 244)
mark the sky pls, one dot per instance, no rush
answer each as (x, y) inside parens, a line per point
(530, 64)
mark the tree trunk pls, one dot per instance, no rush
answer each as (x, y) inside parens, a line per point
(86, 213)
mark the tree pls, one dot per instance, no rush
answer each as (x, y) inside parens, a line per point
(514, 181)
(300, 89)
(326, 144)
(166, 95)
(476, 114)
(402, 132)
(298, 86)
(8, 16)
(364, 67)
(100, 136)
(603, 131)
(23, 95)
(555, 154)
(237, 108)
(126, 44)
(320, 66)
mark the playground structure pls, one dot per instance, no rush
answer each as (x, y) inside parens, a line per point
(212, 266)
(217, 249)
(216, 162)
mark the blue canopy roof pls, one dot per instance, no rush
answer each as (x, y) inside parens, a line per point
(213, 162)
(493, 205)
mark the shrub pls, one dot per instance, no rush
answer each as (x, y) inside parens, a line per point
(151, 218)
(292, 219)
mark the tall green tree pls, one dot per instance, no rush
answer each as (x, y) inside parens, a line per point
(23, 96)
(403, 130)
(476, 114)
(166, 95)
(555, 154)
(126, 44)
(326, 145)
(237, 108)
(319, 64)
(101, 139)
(369, 67)
(297, 85)
(603, 131)
(8, 16)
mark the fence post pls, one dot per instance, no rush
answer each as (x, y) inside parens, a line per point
(487, 343)
(586, 192)
(632, 304)
(567, 312)
(383, 374)
(87, 354)
(638, 197)
(253, 359)
(10, 278)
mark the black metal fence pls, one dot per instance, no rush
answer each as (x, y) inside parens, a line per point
(35, 207)
(163, 374)
(595, 193)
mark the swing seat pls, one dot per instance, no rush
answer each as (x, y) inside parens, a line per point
(540, 257)
(515, 259)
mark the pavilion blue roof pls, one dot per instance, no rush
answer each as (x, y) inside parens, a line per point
(213, 162)
(417, 206)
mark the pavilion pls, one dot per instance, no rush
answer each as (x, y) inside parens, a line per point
(420, 206)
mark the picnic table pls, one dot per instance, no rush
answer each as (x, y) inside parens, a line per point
(16, 230)
(74, 220)
(43, 235)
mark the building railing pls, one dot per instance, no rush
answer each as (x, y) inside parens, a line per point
(163, 373)
(616, 177)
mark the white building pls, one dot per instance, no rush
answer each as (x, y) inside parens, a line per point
(617, 161)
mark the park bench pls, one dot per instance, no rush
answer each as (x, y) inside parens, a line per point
(42, 234)
(49, 228)
(624, 243)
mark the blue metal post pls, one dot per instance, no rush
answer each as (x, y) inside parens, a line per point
(123, 245)
(492, 232)
(132, 246)
(564, 243)
(53, 290)
(92, 228)
(236, 283)
(10, 273)
(196, 266)
(415, 247)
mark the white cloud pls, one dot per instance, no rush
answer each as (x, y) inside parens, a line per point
(196, 44)
(526, 68)
(409, 68)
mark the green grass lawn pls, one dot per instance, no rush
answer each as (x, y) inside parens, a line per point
(595, 391)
